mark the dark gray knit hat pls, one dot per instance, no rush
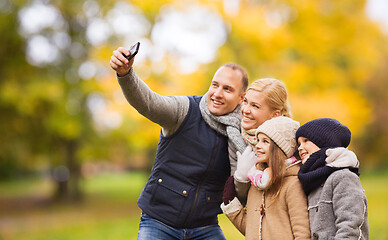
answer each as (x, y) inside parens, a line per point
(325, 132)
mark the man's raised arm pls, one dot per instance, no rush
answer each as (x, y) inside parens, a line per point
(167, 111)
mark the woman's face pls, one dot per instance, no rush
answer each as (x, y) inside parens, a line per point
(255, 110)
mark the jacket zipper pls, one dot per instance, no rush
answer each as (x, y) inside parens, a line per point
(200, 182)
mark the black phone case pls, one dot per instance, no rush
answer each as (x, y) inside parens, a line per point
(133, 51)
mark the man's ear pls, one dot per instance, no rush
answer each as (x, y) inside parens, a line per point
(242, 96)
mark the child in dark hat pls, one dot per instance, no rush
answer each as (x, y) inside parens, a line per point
(329, 176)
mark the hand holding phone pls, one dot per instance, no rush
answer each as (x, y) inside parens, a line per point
(133, 51)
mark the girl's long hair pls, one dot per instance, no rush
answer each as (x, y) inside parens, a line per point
(277, 164)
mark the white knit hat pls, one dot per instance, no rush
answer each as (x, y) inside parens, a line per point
(282, 131)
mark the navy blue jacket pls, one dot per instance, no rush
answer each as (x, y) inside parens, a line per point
(187, 180)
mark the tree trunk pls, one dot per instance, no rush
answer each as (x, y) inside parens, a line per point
(68, 177)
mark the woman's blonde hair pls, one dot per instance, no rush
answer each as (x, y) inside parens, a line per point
(275, 93)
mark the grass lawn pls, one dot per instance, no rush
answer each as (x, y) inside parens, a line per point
(109, 210)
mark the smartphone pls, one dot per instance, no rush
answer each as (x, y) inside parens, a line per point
(133, 51)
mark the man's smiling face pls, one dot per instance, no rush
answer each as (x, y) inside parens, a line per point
(225, 91)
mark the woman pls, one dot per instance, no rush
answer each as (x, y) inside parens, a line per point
(271, 174)
(265, 98)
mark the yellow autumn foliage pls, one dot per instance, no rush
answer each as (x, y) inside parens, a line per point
(324, 51)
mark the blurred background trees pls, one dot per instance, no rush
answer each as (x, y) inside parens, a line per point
(63, 113)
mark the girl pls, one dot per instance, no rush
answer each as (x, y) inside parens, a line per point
(337, 203)
(276, 205)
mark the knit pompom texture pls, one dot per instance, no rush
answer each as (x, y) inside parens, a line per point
(282, 131)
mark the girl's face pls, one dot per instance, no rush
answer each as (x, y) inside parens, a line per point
(255, 110)
(262, 148)
(306, 148)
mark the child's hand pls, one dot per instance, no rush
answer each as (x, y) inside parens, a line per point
(244, 162)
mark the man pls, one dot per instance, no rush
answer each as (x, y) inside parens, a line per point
(182, 197)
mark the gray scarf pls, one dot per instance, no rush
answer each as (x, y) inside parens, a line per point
(228, 125)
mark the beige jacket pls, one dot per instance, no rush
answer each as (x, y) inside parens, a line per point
(285, 218)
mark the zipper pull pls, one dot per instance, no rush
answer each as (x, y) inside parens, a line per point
(262, 211)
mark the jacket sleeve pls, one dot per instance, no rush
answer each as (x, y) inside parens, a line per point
(232, 157)
(167, 111)
(236, 214)
(242, 189)
(297, 209)
(349, 205)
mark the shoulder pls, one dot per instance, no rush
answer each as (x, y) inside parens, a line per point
(194, 99)
(342, 181)
(292, 186)
(291, 179)
(183, 102)
(292, 171)
(342, 175)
